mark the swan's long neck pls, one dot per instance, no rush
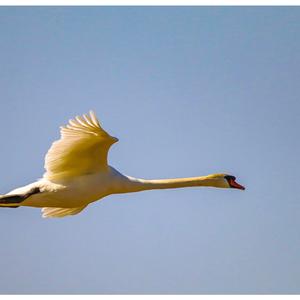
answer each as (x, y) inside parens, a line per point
(136, 184)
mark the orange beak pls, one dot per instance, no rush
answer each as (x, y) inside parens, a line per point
(235, 185)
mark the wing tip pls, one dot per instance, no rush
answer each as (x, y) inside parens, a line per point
(60, 212)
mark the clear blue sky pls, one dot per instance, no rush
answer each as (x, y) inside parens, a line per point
(188, 91)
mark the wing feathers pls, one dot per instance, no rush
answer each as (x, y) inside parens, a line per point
(82, 149)
(94, 119)
(59, 212)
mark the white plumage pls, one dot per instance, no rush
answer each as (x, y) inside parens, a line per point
(82, 149)
(77, 173)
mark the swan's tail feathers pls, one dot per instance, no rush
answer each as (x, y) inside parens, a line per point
(11, 200)
(60, 212)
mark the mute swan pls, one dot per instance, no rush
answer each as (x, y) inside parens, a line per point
(77, 174)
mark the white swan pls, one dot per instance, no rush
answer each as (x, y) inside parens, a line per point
(77, 174)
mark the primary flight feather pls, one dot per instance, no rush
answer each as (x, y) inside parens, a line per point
(77, 173)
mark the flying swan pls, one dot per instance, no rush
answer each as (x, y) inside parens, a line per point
(77, 174)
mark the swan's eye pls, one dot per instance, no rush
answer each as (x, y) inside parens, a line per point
(229, 177)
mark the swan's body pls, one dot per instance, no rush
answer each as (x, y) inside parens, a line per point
(77, 174)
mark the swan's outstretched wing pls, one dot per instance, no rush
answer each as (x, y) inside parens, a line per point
(59, 212)
(82, 149)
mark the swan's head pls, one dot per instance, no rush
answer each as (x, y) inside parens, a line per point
(232, 183)
(225, 181)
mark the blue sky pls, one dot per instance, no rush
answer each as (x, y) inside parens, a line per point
(188, 91)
